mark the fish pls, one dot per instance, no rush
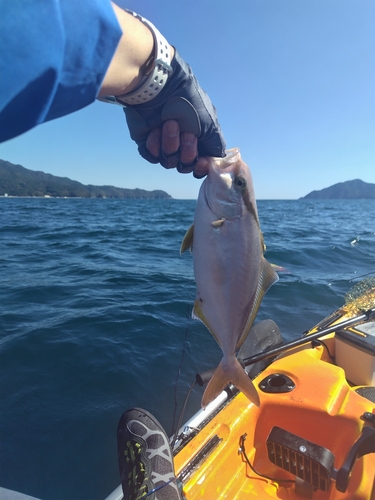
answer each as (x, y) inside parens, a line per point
(230, 270)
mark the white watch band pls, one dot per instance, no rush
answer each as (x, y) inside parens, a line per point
(153, 83)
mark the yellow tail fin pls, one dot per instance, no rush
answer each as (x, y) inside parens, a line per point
(229, 371)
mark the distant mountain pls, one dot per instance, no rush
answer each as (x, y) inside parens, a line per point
(16, 180)
(355, 190)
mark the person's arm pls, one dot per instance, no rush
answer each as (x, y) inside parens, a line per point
(130, 63)
(159, 139)
(61, 57)
(54, 56)
(132, 58)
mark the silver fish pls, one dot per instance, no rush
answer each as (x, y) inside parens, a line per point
(231, 273)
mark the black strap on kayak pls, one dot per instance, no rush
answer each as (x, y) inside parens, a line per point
(364, 445)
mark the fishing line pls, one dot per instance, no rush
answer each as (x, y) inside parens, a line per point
(174, 429)
(174, 439)
(361, 276)
(157, 488)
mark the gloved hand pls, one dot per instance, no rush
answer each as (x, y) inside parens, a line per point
(181, 99)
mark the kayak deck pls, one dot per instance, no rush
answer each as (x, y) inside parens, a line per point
(319, 407)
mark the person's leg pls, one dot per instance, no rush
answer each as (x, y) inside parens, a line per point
(145, 458)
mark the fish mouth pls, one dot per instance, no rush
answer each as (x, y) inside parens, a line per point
(224, 168)
(232, 155)
(220, 164)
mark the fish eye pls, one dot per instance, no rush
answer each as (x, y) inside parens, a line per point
(240, 182)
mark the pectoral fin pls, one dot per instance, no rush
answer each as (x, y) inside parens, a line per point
(218, 223)
(187, 242)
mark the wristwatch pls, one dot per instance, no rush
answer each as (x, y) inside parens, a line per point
(155, 80)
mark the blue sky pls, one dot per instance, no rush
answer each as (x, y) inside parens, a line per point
(293, 82)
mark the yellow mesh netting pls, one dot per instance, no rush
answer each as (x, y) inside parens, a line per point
(361, 296)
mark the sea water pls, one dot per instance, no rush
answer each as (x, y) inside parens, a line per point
(95, 306)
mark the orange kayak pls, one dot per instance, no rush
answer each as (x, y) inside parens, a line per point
(313, 435)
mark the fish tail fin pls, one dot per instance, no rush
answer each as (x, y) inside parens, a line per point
(229, 371)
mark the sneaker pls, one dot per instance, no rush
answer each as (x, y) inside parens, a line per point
(145, 458)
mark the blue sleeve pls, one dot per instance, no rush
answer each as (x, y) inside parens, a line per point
(53, 57)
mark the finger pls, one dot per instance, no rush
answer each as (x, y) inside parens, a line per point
(170, 141)
(170, 144)
(145, 153)
(189, 151)
(153, 142)
(185, 169)
(201, 168)
(171, 161)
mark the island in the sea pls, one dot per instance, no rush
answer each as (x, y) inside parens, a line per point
(349, 190)
(16, 180)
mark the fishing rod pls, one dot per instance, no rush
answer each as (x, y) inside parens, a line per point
(367, 315)
(204, 377)
(361, 296)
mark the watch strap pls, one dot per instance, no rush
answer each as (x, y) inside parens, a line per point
(154, 81)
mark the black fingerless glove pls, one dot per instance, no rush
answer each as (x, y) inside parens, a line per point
(181, 99)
